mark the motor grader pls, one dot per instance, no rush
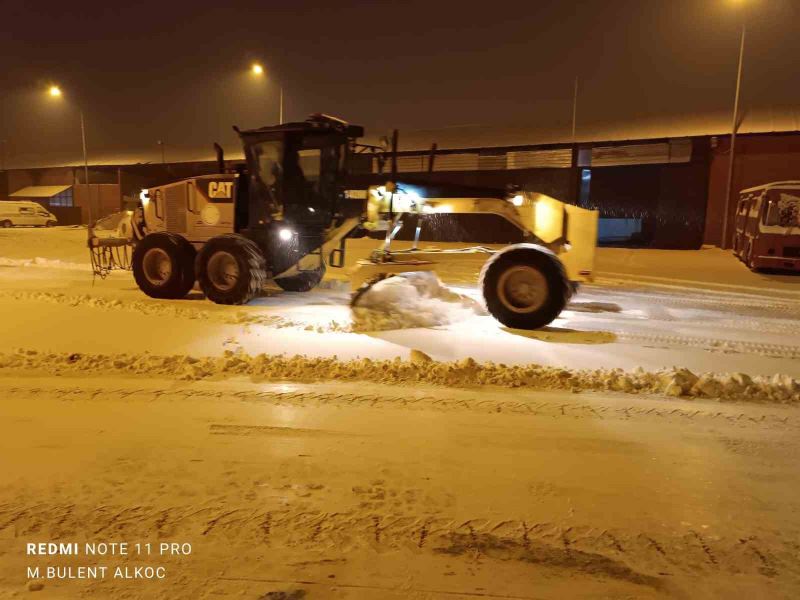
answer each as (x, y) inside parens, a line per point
(286, 213)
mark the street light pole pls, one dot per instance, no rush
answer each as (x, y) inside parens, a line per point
(86, 168)
(258, 70)
(574, 108)
(734, 127)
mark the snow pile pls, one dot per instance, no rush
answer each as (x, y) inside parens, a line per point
(420, 369)
(48, 263)
(411, 300)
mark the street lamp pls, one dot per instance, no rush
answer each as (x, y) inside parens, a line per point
(258, 70)
(734, 127)
(55, 92)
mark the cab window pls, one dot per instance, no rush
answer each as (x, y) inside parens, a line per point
(268, 157)
(310, 163)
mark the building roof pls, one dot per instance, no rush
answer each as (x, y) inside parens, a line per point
(539, 131)
(765, 119)
(39, 191)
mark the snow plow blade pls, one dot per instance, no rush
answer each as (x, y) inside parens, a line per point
(367, 273)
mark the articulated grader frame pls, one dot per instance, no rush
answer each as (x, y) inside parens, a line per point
(275, 219)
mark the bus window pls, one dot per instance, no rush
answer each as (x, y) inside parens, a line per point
(783, 211)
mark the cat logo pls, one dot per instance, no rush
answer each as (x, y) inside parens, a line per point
(220, 189)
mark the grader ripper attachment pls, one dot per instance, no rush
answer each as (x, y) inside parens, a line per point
(285, 216)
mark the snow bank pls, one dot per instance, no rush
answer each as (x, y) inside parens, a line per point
(411, 300)
(420, 369)
(48, 263)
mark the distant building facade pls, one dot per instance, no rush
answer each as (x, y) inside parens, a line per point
(657, 192)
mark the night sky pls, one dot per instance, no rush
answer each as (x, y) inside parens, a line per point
(144, 71)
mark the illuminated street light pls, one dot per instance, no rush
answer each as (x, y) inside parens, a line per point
(258, 70)
(55, 92)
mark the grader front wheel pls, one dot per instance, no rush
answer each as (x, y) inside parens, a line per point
(525, 286)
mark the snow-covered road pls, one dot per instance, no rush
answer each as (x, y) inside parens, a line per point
(516, 470)
(379, 492)
(614, 323)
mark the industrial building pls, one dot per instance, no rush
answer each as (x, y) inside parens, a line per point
(659, 185)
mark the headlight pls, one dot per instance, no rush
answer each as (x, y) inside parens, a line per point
(285, 234)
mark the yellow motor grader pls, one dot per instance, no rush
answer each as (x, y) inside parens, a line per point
(286, 213)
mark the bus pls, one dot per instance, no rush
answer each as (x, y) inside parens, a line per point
(767, 232)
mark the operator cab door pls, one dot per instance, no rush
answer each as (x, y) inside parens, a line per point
(209, 206)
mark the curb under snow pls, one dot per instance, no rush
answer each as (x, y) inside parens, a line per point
(419, 369)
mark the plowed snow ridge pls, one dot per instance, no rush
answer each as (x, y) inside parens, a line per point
(420, 369)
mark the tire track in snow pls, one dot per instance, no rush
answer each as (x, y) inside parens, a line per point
(717, 300)
(478, 403)
(624, 553)
(712, 344)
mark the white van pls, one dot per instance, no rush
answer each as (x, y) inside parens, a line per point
(14, 213)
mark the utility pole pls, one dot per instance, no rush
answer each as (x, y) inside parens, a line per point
(86, 169)
(163, 155)
(734, 127)
(574, 108)
(280, 108)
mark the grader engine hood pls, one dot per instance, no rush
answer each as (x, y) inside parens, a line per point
(572, 230)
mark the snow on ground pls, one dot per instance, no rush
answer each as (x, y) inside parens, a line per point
(449, 460)
(649, 329)
(708, 268)
(355, 492)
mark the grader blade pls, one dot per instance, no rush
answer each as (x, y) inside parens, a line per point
(367, 273)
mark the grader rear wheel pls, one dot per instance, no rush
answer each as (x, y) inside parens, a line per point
(163, 266)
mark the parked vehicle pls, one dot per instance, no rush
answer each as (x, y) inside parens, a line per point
(15, 213)
(768, 226)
